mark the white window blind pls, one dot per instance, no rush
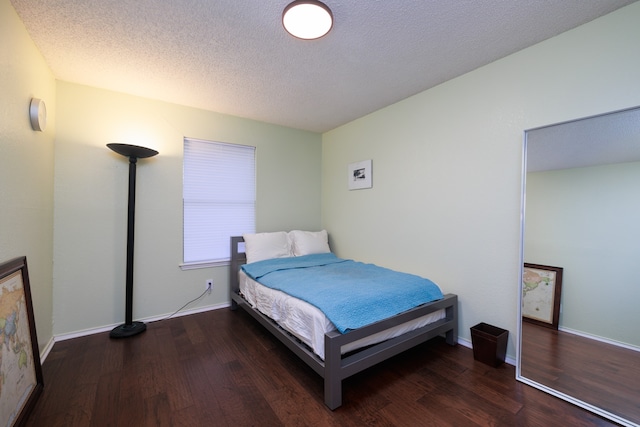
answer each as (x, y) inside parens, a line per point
(219, 198)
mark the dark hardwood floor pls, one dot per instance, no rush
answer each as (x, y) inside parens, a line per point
(598, 373)
(221, 368)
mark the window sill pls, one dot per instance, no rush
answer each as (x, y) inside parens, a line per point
(204, 264)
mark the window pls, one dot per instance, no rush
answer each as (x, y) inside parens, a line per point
(219, 197)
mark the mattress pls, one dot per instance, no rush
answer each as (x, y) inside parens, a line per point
(307, 323)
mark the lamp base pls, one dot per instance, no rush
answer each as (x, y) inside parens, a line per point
(124, 331)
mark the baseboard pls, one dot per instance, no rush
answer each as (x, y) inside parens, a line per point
(47, 349)
(187, 312)
(465, 342)
(92, 331)
(601, 339)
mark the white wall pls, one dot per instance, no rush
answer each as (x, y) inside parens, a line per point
(91, 201)
(447, 165)
(585, 220)
(26, 164)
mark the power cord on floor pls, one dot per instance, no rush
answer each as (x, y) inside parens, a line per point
(208, 290)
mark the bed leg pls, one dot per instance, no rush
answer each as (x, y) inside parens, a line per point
(332, 377)
(451, 312)
(234, 305)
(451, 337)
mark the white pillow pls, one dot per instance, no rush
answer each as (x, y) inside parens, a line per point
(309, 242)
(261, 246)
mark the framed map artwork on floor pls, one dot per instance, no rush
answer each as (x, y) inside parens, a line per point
(20, 369)
(541, 292)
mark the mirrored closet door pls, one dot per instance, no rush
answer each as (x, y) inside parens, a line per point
(581, 214)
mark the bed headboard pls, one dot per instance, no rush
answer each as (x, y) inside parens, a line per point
(237, 260)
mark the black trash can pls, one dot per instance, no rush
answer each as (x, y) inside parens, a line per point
(489, 344)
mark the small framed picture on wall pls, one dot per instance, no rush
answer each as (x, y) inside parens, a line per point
(360, 175)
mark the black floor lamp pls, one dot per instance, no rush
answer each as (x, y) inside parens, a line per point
(134, 153)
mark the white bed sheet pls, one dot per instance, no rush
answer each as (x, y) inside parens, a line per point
(308, 323)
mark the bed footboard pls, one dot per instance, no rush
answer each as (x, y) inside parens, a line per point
(338, 367)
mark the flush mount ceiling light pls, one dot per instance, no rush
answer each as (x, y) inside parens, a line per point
(307, 19)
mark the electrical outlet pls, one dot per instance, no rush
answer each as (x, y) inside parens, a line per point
(209, 285)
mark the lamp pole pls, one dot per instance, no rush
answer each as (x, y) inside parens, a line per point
(133, 152)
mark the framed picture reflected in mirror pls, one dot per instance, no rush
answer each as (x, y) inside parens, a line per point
(541, 293)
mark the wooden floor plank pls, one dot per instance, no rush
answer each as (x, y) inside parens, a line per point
(598, 373)
(222, 368)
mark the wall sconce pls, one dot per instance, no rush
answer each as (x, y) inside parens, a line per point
(38, 114)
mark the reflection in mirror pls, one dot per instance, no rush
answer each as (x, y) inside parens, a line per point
(581, 213)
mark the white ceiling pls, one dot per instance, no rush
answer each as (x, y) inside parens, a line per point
(234, 57)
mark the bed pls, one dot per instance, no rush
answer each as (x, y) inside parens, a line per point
(335, 355)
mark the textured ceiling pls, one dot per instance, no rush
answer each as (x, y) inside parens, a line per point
(592, 141)
(234, 57)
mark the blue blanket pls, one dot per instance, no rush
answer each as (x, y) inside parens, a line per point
(351, 294)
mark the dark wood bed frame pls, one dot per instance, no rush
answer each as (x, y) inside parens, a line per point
(336, 367)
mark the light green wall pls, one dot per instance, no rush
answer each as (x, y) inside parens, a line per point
(585, 220)
(26, 164)
(445, 201)
(447, 164)
(91, 201)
